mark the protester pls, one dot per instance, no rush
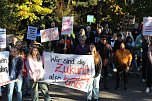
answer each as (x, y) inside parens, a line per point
(117, 42)
(36, 73)
(130, 45)
(138, 43)
(65, 45)
(82, 48)
(15, 73)
(105, 51)
(97, 35)
(12, 44)
(90, 35)
(26, 85)
(149, 69)
(123, 59)
(94, 85)
(80, 34)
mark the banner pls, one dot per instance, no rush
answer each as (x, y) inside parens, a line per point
(147, 26)
(67, 25)
(50, 34)
(32, 33)
(2, 38)
(73, 71)
(4, 71)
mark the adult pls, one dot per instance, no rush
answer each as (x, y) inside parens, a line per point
(82, 48)
(36, 73)
(15, 73)
(117, 42)
(90, 35)
(94, 86)
(149, 69)
(97, 35)
(105, 51)
(123, 59)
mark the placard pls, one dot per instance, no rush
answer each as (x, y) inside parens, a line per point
(32, 33)
(50, 34)
(147, 26)
(2, 38)
(67, 25)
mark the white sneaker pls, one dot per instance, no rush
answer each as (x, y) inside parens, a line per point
(143, 80)
(114, 70)
(147, 90)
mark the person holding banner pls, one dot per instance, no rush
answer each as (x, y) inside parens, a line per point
(94, 85)
(36, 73)
(15, 73)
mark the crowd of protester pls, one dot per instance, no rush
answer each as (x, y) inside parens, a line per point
(112, 49)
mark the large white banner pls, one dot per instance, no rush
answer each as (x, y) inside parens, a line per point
(147, 26)
(50, 34)
(32, 33)
(2, 38)
(4, 71)
(67, 25)
(73, 71)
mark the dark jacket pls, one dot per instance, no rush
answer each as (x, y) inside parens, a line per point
(19, 66)
(82, 50)
(117, 45)
(98, 68)
(105, 51)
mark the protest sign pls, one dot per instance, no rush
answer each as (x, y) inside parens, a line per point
(147, 26)
(9, 38)
(73, 71)
(67, 25)
(4, 71)
(32, 33)
(128, 22)
(2, 38)
(90, 18)
(50, 34)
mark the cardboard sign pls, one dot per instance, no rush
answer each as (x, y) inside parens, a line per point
(50, 34)
(90, 18)
(9, 38)
(4, 71)
(32, 33)
(2, 38)
(67, 25)
(147, 26)
(73, 71)
(128, 22)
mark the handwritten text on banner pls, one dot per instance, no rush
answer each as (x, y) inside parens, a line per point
(76, 71)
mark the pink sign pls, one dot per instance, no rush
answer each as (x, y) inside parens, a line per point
(67, 25)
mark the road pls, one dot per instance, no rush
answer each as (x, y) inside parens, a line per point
(135, 92)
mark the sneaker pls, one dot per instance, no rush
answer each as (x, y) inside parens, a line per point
(147, 90)
(114, 70)
(109, 74)
(117, 88)
(143, 80)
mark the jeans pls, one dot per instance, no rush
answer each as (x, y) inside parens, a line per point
(18, 86)
(125, 75)
(94, 88)
(34, 91)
